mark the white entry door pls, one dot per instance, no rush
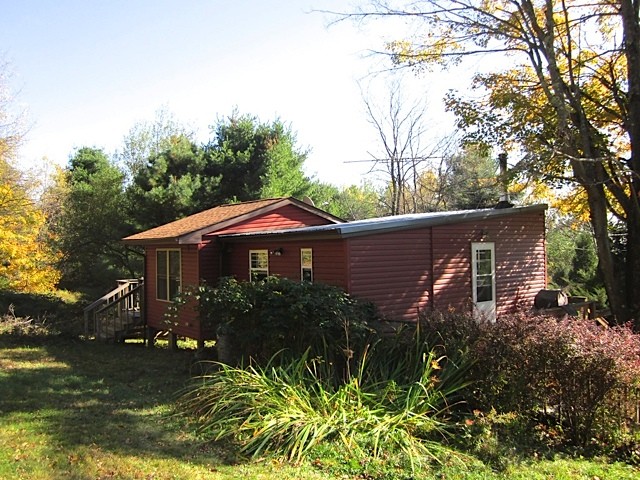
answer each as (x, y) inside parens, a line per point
(483, 279)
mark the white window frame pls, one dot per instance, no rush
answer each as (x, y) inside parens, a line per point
(259, 270)
(485, 309)
(166, 270)
(306, 267)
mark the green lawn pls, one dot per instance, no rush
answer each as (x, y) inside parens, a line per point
(82, 410)
(75, 410)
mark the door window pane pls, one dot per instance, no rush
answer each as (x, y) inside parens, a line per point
(483, 262)
(484, 276)
(484, 290)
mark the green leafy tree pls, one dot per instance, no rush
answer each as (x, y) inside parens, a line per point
(284, 175)
(357, 202)
(572, 261)
(585, 262)
(570, 100)
(147, 139)
(91, 222)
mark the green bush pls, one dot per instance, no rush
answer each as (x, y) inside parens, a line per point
(262, 318)
(523, 380)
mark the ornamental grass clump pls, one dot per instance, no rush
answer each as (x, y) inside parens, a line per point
(293, 407)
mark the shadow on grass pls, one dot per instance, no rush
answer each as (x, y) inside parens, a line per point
(114, 397)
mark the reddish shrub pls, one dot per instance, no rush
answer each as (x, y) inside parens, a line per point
(571, 370)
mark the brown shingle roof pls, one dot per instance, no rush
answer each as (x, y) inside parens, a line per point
(202, 220)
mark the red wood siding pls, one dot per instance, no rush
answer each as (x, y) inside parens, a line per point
(402, 272)
(329, 264)
(452, 265)
(393, 270)
(520, 261)
(188, 324)
(209, 262)
(154, 308)
(288, 216)
(203, 262)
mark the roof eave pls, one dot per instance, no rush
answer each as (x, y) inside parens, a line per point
(281, 234)
(316, 211)
(347, 230)
(468, 216)
(151, 241)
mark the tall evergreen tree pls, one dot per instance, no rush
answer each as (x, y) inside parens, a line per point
(92, 220)
(256, 159)
(471, 180)
(245, 160)
(172, 184)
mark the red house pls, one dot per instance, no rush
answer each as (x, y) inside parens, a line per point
(489, 260)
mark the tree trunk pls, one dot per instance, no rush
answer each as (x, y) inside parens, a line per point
(632, 262)
(600, 223)
(629, 10)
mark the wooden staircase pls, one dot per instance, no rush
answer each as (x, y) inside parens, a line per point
(118, 315)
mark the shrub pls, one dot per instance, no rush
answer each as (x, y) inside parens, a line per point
(262, 318)
(570, 372)
(38, 315)
(451, 332)
(569, 368)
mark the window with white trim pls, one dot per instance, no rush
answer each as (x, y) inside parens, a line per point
(258, 265)
(306, 264)
(168, 274)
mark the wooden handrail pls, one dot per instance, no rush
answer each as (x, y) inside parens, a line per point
(126, 289)
(112, 293)
(119, 300)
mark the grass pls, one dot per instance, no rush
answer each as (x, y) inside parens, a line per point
(77, 410)
(82, 410)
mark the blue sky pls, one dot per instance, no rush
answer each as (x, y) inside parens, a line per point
(87, 71)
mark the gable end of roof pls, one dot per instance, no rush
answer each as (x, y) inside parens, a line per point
(189, 230)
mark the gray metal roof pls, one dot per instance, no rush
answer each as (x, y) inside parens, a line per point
(392, 223)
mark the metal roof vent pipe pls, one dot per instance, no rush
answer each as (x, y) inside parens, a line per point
(504, 181)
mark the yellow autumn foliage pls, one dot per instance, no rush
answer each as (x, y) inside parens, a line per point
(27, 263)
